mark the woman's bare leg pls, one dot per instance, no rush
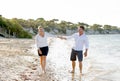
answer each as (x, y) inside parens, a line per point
(41, 62)
(44, 63)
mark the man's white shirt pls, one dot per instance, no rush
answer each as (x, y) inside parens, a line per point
(80, 41)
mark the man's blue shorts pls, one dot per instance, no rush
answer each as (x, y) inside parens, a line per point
(75, 54)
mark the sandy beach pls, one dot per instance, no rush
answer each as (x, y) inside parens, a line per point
(19, 61)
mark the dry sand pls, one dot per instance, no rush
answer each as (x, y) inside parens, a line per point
(18, 63)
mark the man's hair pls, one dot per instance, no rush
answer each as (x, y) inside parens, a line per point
(82, 27)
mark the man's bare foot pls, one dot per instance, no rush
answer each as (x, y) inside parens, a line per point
(40, 73)
(81, 74)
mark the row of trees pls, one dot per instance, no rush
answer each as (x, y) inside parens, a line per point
(61, 27)
(49, 26)
(10, 27)
(104, 29)
(16, 26)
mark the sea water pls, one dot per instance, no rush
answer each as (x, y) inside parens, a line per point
(101, 64)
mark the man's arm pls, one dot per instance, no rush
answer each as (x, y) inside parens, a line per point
(85, 53)
(68, 37)
(86, 47)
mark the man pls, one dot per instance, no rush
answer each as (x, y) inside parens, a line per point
(80, 41)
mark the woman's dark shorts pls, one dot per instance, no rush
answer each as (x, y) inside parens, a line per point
(44, 51)
(75, 53)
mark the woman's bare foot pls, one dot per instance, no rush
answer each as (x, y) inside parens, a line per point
(43, 72)
(72, 71)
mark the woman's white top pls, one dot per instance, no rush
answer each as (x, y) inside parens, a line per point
(41, 41)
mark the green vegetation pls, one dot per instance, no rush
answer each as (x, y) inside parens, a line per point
(21, 28)
(61, 27)
(11, 27)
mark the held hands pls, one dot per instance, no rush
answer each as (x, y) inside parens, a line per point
(61, 37)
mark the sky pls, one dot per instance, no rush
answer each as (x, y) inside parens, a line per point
(87, 11)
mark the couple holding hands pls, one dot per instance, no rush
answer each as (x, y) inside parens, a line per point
(80, 39)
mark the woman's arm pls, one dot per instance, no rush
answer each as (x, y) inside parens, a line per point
(36, 41)
(61, 37)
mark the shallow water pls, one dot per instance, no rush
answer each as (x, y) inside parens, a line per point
(102, 63)
(105, 54)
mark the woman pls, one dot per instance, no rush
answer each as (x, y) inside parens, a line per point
(42, 45)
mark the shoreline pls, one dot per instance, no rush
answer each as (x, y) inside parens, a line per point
(19, 62)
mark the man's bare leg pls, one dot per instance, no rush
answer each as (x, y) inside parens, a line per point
(80, 66)
(73, 67)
